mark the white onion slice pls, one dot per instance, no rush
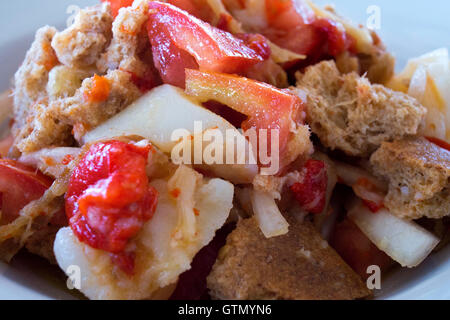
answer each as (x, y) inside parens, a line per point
(349, 175)
(404, 241)
(270, 220)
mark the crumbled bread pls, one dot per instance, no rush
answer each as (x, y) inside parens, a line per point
(130, 44)
(348, 113)
(419, 178)
(78, 110)
(85, 40)
(63, 81)
(378, 66)
(295, 266)
(51, 108)
(41, 243)
(51, 125)
(43, 129)
(31, 78)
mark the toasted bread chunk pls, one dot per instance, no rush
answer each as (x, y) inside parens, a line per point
(50, 125)
(32, 76)
(418, 172)
(378, 65)
(350, 114)
(41, 243)
(82, 43)
(130, 45)
(51, 108)
(299, 265)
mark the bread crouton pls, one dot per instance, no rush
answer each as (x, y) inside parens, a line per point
(378, 65)
(348, 113)
(51, 124)
(299, 265)
(32, 76)
(89, 114)
(41, 243)
(130, 44)
(82, 43)
(43, 129)
(418, 172)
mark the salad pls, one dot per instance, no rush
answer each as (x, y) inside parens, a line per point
(223, 149)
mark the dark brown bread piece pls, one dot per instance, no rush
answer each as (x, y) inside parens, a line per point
(348, 113)
(418, 172)
(296, 266)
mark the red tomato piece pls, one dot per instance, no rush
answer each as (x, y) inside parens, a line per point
(109, 198)
(19, 185)
(293, 25)
(312, 190)
(372, 197)
(257, 43)
(288, 14)
(147, 81)
(440, 143)
(337, 39)
(5, 145)
(180, 40)
(357, 250)
(373, 206)
(116, 5)
(265, 106)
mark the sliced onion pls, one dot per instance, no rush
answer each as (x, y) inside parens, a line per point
(271, 221)
(404, 241)
(350, 175)
(183, 183)
(51, 161)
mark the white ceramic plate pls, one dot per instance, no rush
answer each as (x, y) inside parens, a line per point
(409, 28)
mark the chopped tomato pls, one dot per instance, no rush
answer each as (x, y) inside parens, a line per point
(99, 91)
(5, 145)
(312, 190)
(198, 8)
(357, 250)
(147, 81)
(116, 5)
(286, 14)
(265, 106)
(440, 143)
(224, 22)
(372, 197)
(180, 40)
(109, 198)
(337, 39)
(293, 25)
(257, 43)
(19, 185)
(373, 206)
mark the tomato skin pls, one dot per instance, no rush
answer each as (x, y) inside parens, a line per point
(311, 192)
(357, 250)
(293, 25)
(373, 206)
(109, 197)
(440, 143)
(267, 107)
(116, 5)
(19, 185)
(337, 39)
(180, 40)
